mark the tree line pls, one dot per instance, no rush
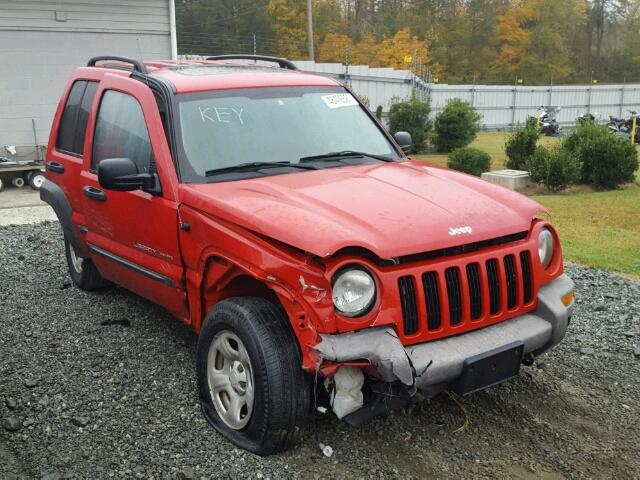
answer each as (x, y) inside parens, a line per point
(534, 42)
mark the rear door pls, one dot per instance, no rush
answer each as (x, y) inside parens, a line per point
(66, 143)
(133, 236)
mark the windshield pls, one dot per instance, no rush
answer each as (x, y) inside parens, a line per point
(226, 130)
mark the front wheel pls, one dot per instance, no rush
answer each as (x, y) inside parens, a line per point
(251, 384)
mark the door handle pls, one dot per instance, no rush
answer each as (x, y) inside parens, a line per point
(55, 167)
(95, 193)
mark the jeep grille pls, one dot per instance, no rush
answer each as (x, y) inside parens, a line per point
(471, 294)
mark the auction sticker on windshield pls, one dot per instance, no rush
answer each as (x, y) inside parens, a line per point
(339, 100)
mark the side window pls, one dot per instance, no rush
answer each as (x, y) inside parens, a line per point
(83, 115)
(73, 123)
(121, 132)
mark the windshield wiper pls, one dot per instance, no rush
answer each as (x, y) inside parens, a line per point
(344, 154)
(247, 167)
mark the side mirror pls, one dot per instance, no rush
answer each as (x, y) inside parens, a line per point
(404, 140)
(121, 174)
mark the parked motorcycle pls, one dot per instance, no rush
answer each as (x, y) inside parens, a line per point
(586, 117)
(547, 122)
(623, 127)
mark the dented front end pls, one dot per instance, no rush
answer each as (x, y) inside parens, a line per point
(432, 314)
(436, 313)
(431, 366)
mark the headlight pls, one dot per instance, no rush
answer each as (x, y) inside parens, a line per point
(354, 291)
(545, 247)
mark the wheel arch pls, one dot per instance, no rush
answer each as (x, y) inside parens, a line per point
(223, 279)
(241, 285)
(52, 194)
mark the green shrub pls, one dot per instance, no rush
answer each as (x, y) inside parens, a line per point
(411, 116)
(532, 122)
(456, 126)
(469, 160)
(379, 112)
(584, 132)
(520, 146)
(556, 168)
(606, 161)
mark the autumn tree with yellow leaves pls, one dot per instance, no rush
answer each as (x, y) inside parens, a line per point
(289, 27)
(486, 41)
(401, 50)
(532, 38)
(336, 47)
(398, 51)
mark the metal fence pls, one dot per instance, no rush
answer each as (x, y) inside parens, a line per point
(501, 106)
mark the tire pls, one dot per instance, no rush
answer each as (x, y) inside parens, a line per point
(276, 415)
(17, 182)
(35, 179)
(83, 272)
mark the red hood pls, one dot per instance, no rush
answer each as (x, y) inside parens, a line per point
(392, 209)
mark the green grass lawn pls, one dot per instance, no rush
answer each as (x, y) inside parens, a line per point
(601, 229)
(490, 142)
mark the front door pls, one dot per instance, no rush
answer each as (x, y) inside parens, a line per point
(133, 236)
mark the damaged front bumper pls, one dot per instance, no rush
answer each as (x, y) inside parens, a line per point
(433, 365)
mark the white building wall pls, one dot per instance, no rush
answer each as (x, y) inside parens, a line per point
(42, 42)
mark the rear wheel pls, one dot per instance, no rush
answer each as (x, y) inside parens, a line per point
(252, 387)
(82, 270)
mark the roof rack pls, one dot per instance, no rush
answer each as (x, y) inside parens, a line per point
(138, 66)
(282, 62)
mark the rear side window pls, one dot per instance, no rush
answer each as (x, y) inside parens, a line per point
(73, 123)
(121, 132)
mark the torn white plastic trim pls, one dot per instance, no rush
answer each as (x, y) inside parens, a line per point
(380, 346)
(347, 396)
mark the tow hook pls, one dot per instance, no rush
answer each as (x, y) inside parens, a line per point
(528, 359)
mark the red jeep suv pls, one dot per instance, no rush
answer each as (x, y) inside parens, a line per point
(268, 209)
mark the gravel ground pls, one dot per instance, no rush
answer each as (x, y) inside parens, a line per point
(79, 399)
